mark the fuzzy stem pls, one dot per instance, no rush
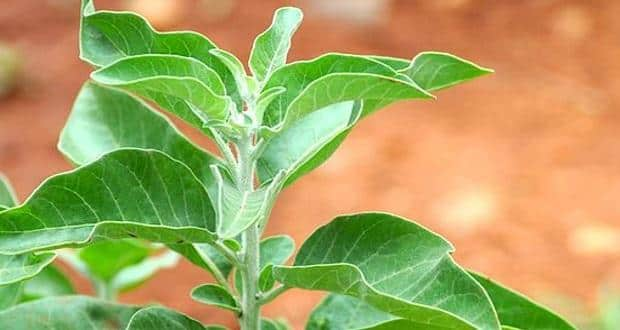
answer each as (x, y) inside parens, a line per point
(250, 307)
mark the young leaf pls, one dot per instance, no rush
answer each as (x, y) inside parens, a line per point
(334, 78)
(396, 266)
(107, 36)
(156, 317)
(7, 195)
(134, 275)
(126, 193)
(236, 68)
(238, 210)
(519, 312)
(308, 142)
(105, 119)
(434, 70)
(16, 268)
(49, 282)
(212, 294)
(271, 47)
(175, 76)
(105, 259)
(67, 313)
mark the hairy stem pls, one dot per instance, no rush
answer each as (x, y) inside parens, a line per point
(272, 294)
(250, 307)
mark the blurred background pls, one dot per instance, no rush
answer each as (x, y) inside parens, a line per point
(520, 169)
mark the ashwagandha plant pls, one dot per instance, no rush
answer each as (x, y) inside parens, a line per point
(140, 180)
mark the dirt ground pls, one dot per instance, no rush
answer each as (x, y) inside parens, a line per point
(520, 170)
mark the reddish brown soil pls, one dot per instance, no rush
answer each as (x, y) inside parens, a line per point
(516, 169)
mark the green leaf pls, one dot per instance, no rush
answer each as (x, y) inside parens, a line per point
(264, 100)
(133, 276)
(10, 295)
(105, 259)
(268, 324)
(126, 193)
(236, 68)
(175, 76)
(338, 312)
(196, 253)
(285, 150)
(435, 70)
(274, 250)
(334, 78)
(394, 265)
(307, 143)
(271, 47)
(519, 312)
(156, 317)
(7, 195)
(215, 295)
(237, 210)
(107, 36)
(67, 313)
(105, 119)
(49, 282)
(16, 268)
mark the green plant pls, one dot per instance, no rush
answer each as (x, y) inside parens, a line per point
(138, 177)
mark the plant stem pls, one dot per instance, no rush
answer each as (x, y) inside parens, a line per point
(105, 291)
(250, 307)
(272, 294)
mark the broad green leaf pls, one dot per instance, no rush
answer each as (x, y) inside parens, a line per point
(7, 195)
(105, 259)
(15, 268)
(434, 70)
(10, 295)
(48, 283)
(307, 143)
(237, 210)
(156, 317)
(519, 312)
(107, 36)
(197, 253)
(127, 193)
(132, 276)
(284, 149)
(105, 119)
(271, 47)
(215, 295)
(334, 78)
(338, 312)
(394, 265)
(67, 313)
(175, 76)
